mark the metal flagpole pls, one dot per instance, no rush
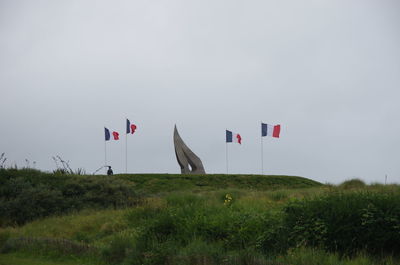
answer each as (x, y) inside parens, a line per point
(126, 153)
(126, 146)
(105, 155)
(226, 148)
(262, 155)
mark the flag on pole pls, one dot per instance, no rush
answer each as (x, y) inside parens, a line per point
(130, 128)
(233, 137)
(107, 135)
(270, 130)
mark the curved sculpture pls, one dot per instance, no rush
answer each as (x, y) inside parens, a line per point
(187, 160)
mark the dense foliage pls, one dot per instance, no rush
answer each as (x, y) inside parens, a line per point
(199, 222)
(189, 226)
(29, 194)
(347, 222)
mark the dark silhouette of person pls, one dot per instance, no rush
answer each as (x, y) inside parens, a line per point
(109, 171)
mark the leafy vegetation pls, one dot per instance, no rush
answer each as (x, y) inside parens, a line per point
(352, 184)
(214, 223)
(347, 222)
(156, 183)
(28, 194)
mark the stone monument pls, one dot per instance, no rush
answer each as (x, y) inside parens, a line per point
(187, 160)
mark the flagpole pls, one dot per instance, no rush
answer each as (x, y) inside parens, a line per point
(126, 147)
(262, 156)
(262, 151)
(126, 153)
(105, 155)
(226, 149)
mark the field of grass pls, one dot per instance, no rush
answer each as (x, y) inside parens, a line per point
(156, 183)
(217, 219)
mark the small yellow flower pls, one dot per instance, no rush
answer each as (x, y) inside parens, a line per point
(228, 199)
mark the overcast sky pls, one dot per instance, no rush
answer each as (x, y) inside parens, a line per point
(327, 71)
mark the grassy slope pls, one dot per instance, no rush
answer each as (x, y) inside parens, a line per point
(101, 228)
(98, 228)
(155, 183)
(251, 194)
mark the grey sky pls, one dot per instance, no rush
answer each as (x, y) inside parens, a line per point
(327, 71)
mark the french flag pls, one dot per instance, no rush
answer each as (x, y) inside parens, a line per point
(270, 130)
(107, 134)
(233, 137)
(130, 128)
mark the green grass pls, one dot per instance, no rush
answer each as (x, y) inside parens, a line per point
(156, 183)
(32, 259)
(214, 219)
(82, 227)
(28, 194)
(189, 228)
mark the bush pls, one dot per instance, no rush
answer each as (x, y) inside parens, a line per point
(273, 238)
(32, 203)
(352, 184)
(189, 222)
(27, 194)
(346, 222)
(343, 223)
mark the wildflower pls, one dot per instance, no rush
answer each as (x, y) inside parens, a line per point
(228, 199)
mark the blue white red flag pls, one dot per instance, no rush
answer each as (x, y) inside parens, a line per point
(233, 137)
(130, 128)
(107, 135)
(270, 130)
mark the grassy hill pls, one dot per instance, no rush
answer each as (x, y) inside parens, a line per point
(30, 194)
(155, 183)
(211, 219)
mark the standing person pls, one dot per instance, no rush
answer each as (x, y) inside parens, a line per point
(109, 171)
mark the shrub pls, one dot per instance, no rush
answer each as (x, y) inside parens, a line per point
(28, 194)
(346, 222)
(352, 184)
(190, 222)
(273, 238)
